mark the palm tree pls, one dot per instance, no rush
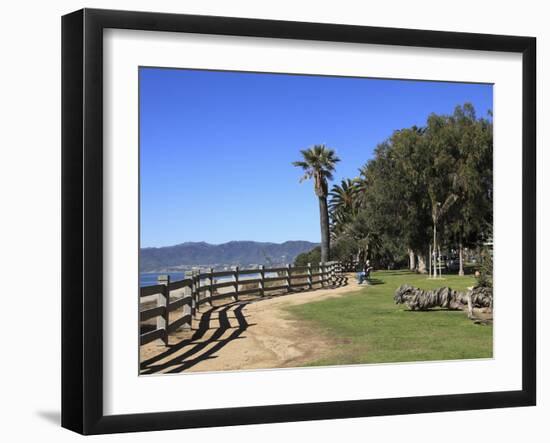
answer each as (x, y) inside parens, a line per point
(343, 204)
(319, 163)
(343, 197)
(361, 185)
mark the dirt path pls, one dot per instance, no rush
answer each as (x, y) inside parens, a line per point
(249, 334)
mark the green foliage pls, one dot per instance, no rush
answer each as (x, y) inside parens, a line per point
(313, 257)
(367, 327)
(343, 204)
(318, 163)
(471, 217)
(438, 176)
(344, 249)
(485, 277)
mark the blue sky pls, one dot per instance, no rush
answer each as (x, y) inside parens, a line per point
(216, 147)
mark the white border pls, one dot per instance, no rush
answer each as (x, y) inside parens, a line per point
(125, 392)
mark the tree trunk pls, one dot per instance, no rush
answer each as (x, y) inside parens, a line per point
(434, 253)
(439, 264)
(412, 263)
(430, 256)
(325, 240)
(421, 264)
(460, 259)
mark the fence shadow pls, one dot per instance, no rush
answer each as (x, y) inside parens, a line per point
(198, 343)
(207, 339)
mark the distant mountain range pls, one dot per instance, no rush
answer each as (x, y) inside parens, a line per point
(185, 255)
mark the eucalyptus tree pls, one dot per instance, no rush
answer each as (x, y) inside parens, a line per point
(408, 188)
(438, 212)
(382, 191)
(440, 141)
(424, 188)
(396, 196)
(362, 231)
(472, 214)
(319, 163)
(378, 216)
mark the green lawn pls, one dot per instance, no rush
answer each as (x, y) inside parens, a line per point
(367, 327)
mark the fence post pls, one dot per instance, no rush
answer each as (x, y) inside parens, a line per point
(309, 280)
(198, 277)
(163, 299)
(191, 291)
(262, 283)
(236, 278)
(211, 283)
(196, 293)
(288, 282)
(207, 292)
(188, 307)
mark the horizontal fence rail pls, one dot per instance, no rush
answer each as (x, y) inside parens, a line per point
(200, 287)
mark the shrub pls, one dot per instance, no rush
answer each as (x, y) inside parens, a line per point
(485, 277)
(313, 257)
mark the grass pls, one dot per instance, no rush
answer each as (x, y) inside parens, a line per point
(367, 327)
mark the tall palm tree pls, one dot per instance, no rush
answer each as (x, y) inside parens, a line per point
(318, 164)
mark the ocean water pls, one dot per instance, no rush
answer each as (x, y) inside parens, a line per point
(150, 278)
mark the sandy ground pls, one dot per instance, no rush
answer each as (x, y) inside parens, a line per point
(248, 334)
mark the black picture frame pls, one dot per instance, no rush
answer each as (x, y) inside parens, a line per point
(82, 215)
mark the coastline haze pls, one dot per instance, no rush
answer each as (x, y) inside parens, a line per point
(191, 254)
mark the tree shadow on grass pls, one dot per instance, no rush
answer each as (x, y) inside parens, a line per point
(434, 310)
(375, 281)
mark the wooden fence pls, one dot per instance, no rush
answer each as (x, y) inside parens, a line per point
(201, 287)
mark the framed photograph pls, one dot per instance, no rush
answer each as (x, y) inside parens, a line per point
(269, 221)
